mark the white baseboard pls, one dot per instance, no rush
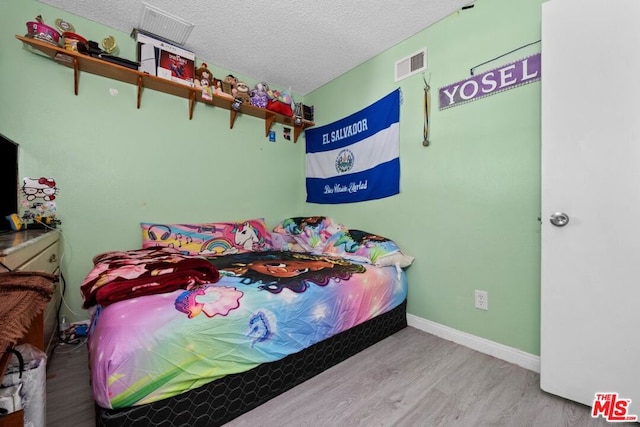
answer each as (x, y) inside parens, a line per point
(492, 348)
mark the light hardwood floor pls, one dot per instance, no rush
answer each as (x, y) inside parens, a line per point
(410, 379)
(69, 401)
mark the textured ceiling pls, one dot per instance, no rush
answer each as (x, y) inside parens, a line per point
(286, 43)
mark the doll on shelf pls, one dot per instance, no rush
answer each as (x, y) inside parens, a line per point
(204, 81)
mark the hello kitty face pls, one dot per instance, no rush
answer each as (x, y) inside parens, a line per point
(42, 188)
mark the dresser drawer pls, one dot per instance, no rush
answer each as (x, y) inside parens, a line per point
(20, 247)
(47, 261)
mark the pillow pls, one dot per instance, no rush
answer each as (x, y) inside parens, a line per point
(283, 242)
(398, 259)
(306, 234)
(363, 246)
(214, 238)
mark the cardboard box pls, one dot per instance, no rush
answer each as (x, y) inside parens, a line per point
(162, 59)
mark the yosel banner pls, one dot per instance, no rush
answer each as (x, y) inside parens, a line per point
(356, 158)
(507, 77)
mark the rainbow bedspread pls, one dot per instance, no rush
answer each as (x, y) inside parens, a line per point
(265, 306)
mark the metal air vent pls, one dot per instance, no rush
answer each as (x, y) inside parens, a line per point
(165, 25)
(412, 64)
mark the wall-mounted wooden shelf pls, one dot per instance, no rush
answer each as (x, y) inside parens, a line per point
(79, 62)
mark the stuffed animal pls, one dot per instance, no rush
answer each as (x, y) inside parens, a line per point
(229, 85)
(280, 102)
(207, 90)
(259, 97)
(205, 81)
(242, 92)
(203, 73)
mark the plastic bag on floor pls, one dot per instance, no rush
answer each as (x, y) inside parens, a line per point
(32, 379)
(10, 398)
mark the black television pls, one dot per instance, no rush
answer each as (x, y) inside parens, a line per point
(8, 181)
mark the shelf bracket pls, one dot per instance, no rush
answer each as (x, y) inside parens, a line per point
(139, 90)
(76, 75)
(268, 122)
(232, 117)
(192, 103)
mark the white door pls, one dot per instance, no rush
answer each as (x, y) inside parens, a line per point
(590, 330)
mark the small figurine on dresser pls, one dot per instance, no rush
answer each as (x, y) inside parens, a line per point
(38, 202)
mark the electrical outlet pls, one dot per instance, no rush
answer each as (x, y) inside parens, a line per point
(482, 300)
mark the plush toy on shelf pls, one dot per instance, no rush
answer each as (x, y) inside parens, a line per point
(204, 80)
(259, 97)
(242, 92)
(203, 73)
(229, 85)
(207, 90)
(280, 102)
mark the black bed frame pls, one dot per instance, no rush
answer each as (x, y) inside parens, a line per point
(222, 400)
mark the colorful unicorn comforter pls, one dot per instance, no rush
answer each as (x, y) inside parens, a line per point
(265, 306)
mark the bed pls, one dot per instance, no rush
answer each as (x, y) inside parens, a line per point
(191, 331)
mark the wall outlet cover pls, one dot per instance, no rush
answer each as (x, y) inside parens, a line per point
(481, 300)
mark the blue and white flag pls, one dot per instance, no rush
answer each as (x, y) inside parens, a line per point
(356, 158)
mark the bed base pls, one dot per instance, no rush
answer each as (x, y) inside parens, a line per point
(224, 399)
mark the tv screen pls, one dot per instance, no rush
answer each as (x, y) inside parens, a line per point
(8, 181)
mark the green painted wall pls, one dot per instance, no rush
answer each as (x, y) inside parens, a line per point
(116, 165)
(469, 204)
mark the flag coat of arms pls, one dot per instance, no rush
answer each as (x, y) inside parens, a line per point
(356, 158)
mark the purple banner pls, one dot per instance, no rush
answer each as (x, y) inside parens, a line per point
(507, 77)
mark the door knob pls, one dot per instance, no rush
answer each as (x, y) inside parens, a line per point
(559, 219)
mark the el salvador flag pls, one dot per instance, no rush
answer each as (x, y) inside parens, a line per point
(356, 158)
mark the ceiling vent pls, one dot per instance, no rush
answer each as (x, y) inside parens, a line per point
(164, 25)
(412, 64)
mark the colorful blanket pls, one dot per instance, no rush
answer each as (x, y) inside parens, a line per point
(265, 306)
(121, 275)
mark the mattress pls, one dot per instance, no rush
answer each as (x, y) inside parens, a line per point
(222, 400)
(266, 307)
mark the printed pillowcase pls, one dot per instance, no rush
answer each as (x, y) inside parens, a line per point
(304, 234)
(209, 239)
(366, 247)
